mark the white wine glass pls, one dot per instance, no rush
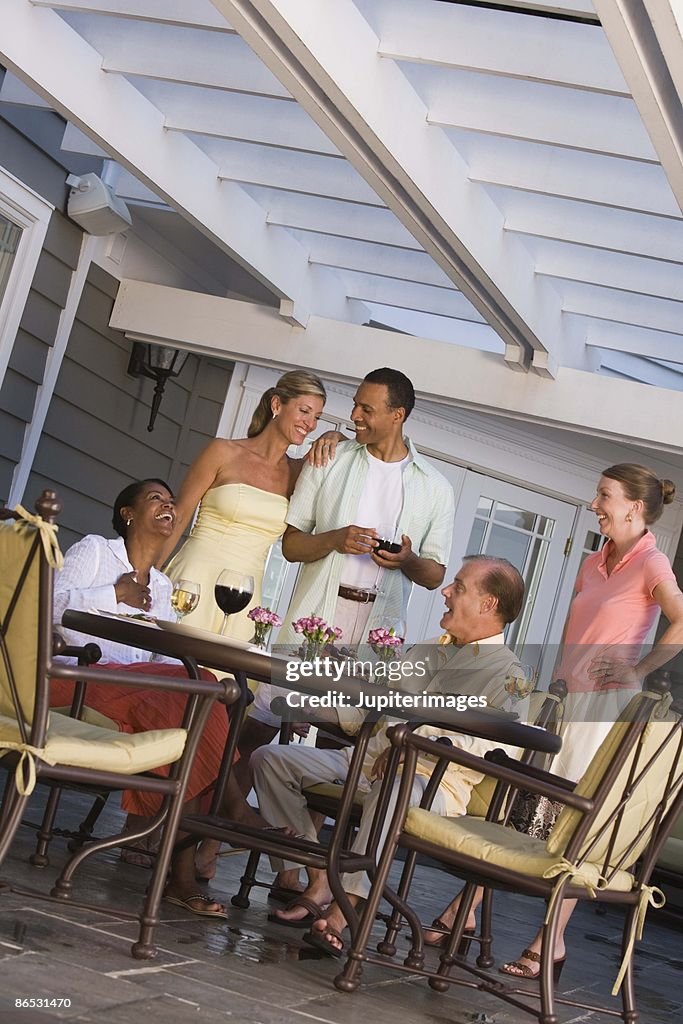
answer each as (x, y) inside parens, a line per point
(233, 592)
(185, 597)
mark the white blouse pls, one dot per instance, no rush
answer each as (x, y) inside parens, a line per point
(86, 583)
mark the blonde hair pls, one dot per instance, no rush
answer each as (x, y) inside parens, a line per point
(641, 484)
(293, 384)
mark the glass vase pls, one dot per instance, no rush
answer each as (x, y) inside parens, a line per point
(260, 637)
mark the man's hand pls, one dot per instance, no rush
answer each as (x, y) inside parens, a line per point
(387, 560)
(379, 768)
(355, 540)
(129, 591)
(323, 448)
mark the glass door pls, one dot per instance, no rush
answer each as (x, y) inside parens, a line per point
(531, 530)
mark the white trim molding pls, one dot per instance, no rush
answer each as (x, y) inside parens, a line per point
(31, 213)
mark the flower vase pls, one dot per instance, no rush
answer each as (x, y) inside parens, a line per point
(260, 637)
(311, 650)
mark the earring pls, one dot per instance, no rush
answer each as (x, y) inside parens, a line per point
(629, 517)
(276, 414)
(128, 522)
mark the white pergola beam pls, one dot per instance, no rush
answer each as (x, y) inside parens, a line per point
(594, 226)
(200, 13)
(46, 54)
(636, 341)
(236, 116)
(567, 173)
(422, 298)
(285, 169)
(382, 260)
(332, 217)
(627, 273)
(373, 115)
(191, 56)
(646, 38)
(571, 118)
(576, 400)
(498, 43)
(622, 307)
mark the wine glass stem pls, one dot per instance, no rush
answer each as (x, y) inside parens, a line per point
(225, 624)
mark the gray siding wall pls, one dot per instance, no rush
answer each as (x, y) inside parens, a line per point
(95, 439)
(45, 301)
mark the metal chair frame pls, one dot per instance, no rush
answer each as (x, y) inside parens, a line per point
(200, 694)
(661, 820)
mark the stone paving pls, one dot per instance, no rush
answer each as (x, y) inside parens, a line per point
(251, 970)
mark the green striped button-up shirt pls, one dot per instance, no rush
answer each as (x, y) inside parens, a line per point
(329, 499)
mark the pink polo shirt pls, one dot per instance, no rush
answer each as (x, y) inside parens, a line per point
(618, 609)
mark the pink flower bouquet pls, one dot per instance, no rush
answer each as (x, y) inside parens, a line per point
(263, 620)
(316, 634)
(386, 643)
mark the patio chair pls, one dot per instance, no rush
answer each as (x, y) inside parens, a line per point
(37, 745)
(604, 845)
(487, 800)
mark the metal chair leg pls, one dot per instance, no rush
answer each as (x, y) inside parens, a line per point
(247, 881)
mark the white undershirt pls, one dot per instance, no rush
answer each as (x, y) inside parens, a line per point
(380, 502)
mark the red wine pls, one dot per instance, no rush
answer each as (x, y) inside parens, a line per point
(230, 600)
(387, 545)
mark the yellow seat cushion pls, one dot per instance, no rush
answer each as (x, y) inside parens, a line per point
(505, 847)
(90, 716)
(81, 745)
(333, 791)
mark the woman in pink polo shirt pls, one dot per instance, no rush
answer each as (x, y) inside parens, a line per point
(619, 592)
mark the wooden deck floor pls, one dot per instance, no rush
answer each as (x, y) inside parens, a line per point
(251, 970)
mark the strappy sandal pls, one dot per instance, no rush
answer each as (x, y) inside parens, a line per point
(516, 969)
(440, 925)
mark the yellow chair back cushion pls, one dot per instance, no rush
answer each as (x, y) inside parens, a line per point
(21, 636)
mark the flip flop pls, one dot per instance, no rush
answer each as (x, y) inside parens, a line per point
(281, 894)
(203, 898)
(318, 940)
(315, 911)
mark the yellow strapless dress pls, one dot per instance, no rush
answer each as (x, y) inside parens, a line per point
(235, 528)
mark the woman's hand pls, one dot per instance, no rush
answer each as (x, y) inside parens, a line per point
(611, 670)
(129, 591)
(323, 448)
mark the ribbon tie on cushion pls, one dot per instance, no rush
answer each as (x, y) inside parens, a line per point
(48, 535)
(650, 896)
(563, 871)
(28, 756)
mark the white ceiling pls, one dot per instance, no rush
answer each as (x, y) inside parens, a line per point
(483, 177)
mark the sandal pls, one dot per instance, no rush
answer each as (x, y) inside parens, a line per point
(315, 912)
(464, 944)
(203, 899)
(282, 894)
(516, 969)
(318, 940)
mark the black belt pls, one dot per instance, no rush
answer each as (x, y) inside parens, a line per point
(356, 594)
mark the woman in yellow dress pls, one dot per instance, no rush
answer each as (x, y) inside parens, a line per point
(243, 488)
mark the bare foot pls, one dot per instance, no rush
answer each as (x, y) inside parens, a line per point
(205, 861)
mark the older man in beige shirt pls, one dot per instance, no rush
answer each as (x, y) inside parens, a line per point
(486, 594)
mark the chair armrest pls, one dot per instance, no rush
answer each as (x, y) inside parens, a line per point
(500, 757)
(226, 690)
(88, 654)
(401, 736)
